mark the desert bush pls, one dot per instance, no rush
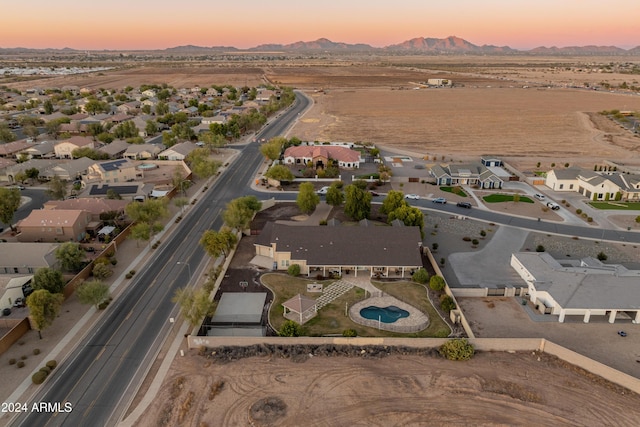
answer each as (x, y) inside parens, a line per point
(23, 357)
(420, 276)
(539, 248)
(20, 364)
(446, 303)
(101, 271)
(349, 333)
(38, 377)
(457, 349)
(434, 246)
(475, 241)
(589, 219)
(466, 238)
(602, 256)
(51, 364)
(289, 329)
(483, 233)
(128, 275)
(436, 283)
(36, 351)
(578, 211)
(45, 369)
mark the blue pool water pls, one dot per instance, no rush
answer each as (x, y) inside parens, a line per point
(384, 314)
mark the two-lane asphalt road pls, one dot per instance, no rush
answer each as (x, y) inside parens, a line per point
(102, 372)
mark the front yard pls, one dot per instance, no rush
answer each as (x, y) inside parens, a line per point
(332, 319)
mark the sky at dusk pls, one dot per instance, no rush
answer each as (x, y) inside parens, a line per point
(158, 24)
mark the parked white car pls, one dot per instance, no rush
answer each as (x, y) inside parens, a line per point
(323, 190)
(412, 196)
(539, 196)
(553, 206)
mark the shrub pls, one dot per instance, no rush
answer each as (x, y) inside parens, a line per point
(290, 329)
(589, 219)
(436, 283)
(20, 364)
(103, 305)
(434, 246)
(420, 276)
(114, 261)
(51, 364)
(128, 275)
(457, 349)
(12, 361)
(349, 333)
(23, 357)
(446, 303)
(578, 211)
(483, 233)
(39, 377)
(475, 241)
(132, 272)
(602, 256)
(36, 351)
(442, 261)
(293, 270)
(539, 248)
(46, 370)
(323, 222)
(101, 271)
(466, 239)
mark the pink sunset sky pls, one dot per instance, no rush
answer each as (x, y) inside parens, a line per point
(146, 24)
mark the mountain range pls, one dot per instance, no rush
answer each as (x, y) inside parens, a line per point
(420, 45)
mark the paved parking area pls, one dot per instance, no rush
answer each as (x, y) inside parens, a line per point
(501, 317)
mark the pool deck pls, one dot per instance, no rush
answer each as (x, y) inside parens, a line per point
(416, 321)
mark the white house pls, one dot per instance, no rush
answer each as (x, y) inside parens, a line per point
(594, 185)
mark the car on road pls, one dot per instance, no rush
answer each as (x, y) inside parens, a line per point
(440, 200)
(323, 190)
(412, 196)
(374, 194)
(553, 206)
(19, 187)
(465, 205)
(622, 333)
(539, 196)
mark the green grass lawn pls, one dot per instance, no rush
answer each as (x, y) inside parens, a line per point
(331, 319)
(455, 190)
(629, 206)
(498, 198)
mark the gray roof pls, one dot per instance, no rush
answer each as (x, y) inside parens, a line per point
(23, 254)
(115, 147)
(568, 173)
(346, 245)
(588, 285)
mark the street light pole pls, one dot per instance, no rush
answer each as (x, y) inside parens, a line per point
(188, 267)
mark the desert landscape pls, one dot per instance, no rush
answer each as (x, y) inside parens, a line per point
(372, 389)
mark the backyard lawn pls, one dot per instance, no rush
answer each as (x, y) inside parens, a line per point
(498, 198)
(331, 319)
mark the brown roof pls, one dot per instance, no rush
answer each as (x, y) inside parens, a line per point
(94, 205)
(14, 147)
(346, 245)
(52, 218)
(300, 303)
(343, 154)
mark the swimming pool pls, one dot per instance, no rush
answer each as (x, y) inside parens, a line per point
(384, 314)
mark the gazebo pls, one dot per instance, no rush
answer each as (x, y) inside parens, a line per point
(300, 309)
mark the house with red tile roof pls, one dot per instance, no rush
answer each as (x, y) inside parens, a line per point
(319, 156)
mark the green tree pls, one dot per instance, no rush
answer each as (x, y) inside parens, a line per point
(89, 153)
(446, 303)
(420, 276)
(200, 163)
(31, 131)
(9, 204)
(151, 128)
(272, 149)
(638, 219)
(358, 203)
(21, 177)
(307, 199)
(394, 200)
(113, 194)
(602, 256)
(280, 173)
(436, 283)
(181, 202)
(194, 304)
(335, 196)
(126, 130)
(149, 211)
(95, 129)
(101, 270)
(289, 329)
(70, 255)
(93, 292)
(457, 349)
(48, 279)
(239, 212)
(213, 142)
(6, 135)
(32, 174)
(409, 215)
(94, 106)
(43, 308)
(57, 188)
(162, 108)
(48, 107)
(217, 243)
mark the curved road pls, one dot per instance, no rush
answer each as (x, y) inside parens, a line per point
(107, 365)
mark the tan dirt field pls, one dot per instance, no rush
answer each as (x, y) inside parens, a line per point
(491, 389)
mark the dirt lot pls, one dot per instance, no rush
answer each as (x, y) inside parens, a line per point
(491, 389)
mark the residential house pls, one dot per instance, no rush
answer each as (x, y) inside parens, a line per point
(142, 151)
(128, 191)
(43, 150)
(115, 149)
(129, 107)
(48, 225)
(177, 152)
(371, 251)
(9, 172)
(141, 123)
(116, 119)
(68, 171)
(594, 185)
(11, 150)
(215, 119)
(264, 95)
(475, 174)
(96, 207)
(580, 288)
(26, 258)
(319, 156)
(12, 288)
(113, 171)
(149, 93)
(64, 149)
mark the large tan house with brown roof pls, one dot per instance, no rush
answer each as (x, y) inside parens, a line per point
(319, 156)
(64, 149)
(48, 225)
(393, 251)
